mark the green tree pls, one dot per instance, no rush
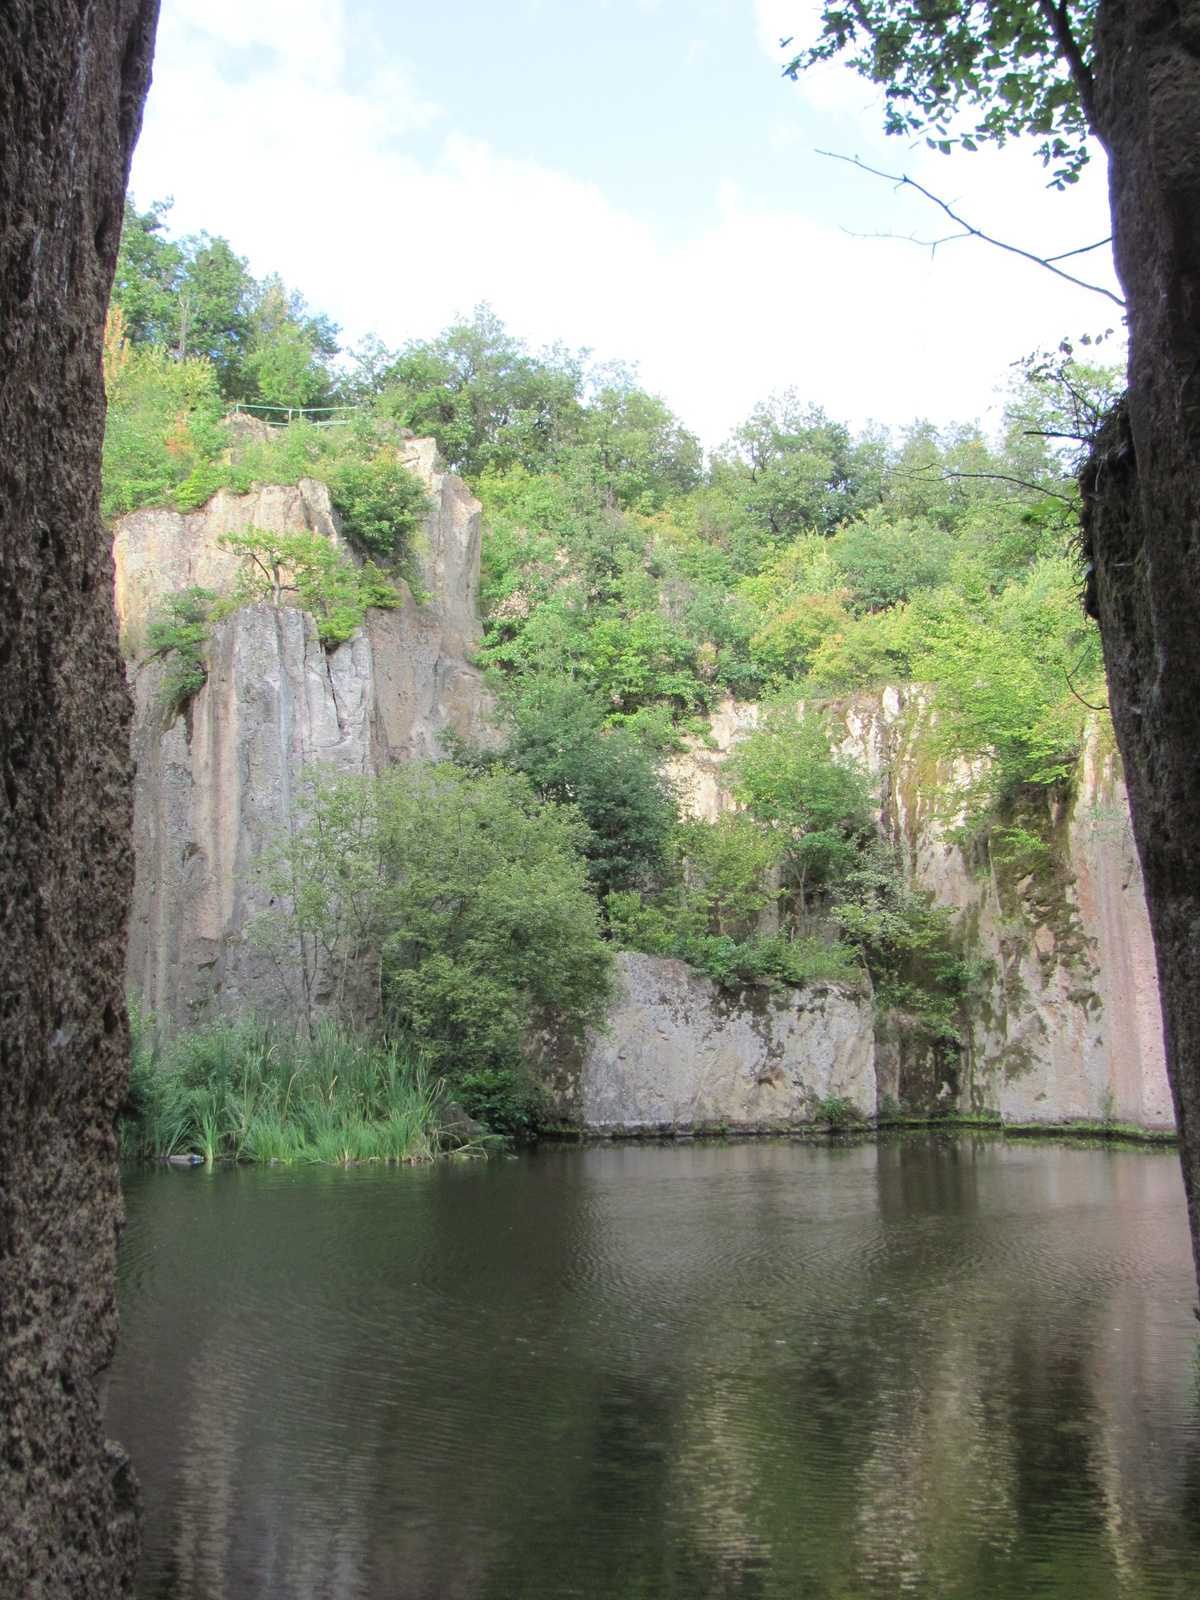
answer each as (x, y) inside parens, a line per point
(196, 298)
(799, 470)
(145, 289)
(163, 433)
(788, 773)
(559, 742)
(380, 501)
(638, 451)
(461, 895)
(885, 562)
(487, 401)
(309, 571)
(179, 635)
(730, 871)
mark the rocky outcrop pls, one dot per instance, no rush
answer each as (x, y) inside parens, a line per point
(216, 785)
(680, 1053)
(1064, 1025)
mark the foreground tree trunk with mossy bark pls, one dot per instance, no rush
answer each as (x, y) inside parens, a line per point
(1142, 500)
(75, 79)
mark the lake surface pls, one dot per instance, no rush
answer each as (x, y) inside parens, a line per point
(932, 1367)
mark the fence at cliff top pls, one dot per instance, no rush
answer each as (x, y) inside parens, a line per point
(288, 413)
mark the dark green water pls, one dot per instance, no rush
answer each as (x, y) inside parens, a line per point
(931, 1367)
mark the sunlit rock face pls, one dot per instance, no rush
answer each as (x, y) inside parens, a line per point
(217, 784)
(1065, 1023)
(679, 1052)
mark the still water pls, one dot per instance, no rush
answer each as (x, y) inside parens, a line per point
(929, 1367)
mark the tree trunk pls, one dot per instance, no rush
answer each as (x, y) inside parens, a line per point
(74, 76)
(1142, 500)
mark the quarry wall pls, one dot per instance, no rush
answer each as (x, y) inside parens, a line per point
(1064, 1025)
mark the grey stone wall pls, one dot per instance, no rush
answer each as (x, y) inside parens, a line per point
(678, 1052)
(216, 784)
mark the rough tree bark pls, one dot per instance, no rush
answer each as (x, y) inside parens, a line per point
(73, 78)
(1142, 499)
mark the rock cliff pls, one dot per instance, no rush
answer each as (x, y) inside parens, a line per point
(1064, 1024)
(214, 785)
(680, 1053)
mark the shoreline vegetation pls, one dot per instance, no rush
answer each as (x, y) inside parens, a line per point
(246, 1091)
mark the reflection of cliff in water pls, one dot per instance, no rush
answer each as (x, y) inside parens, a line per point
(952, 1369)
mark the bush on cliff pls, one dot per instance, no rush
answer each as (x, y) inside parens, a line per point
(164, 432)
(168, 443)
(180, 636)
(308, 570)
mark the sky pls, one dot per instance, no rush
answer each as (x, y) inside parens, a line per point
(633, 177)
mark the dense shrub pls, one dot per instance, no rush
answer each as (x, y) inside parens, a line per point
(247, 1092)
(464, 894)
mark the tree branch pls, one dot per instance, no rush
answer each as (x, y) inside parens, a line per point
(1060, 26)
(1083, 249)
(993, 477)
(977, 233)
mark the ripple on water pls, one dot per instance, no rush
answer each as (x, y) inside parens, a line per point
(951, 1368)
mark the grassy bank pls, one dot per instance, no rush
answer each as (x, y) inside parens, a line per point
(244, 1092)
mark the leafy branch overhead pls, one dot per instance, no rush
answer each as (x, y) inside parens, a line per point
(1005, 70)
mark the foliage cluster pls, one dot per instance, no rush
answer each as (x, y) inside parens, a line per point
(797, 885)
(195, 298)
(453, 906)
(307, 569)
(1021, 68)
(244, 1092)
(301, 568)
(180, 635)
(167, 442)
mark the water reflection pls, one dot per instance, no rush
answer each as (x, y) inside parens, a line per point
(945, 1368)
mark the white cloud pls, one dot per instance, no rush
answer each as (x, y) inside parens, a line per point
(312, 178)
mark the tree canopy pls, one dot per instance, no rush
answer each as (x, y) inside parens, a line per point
(194, 296)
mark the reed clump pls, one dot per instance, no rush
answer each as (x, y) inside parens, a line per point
(245, 1091)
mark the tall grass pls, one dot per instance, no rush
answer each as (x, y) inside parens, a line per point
(248, 1092)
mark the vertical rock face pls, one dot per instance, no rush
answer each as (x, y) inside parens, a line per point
(680, 1053)
(216, 785)
(1066, 1025)
(74, 77)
